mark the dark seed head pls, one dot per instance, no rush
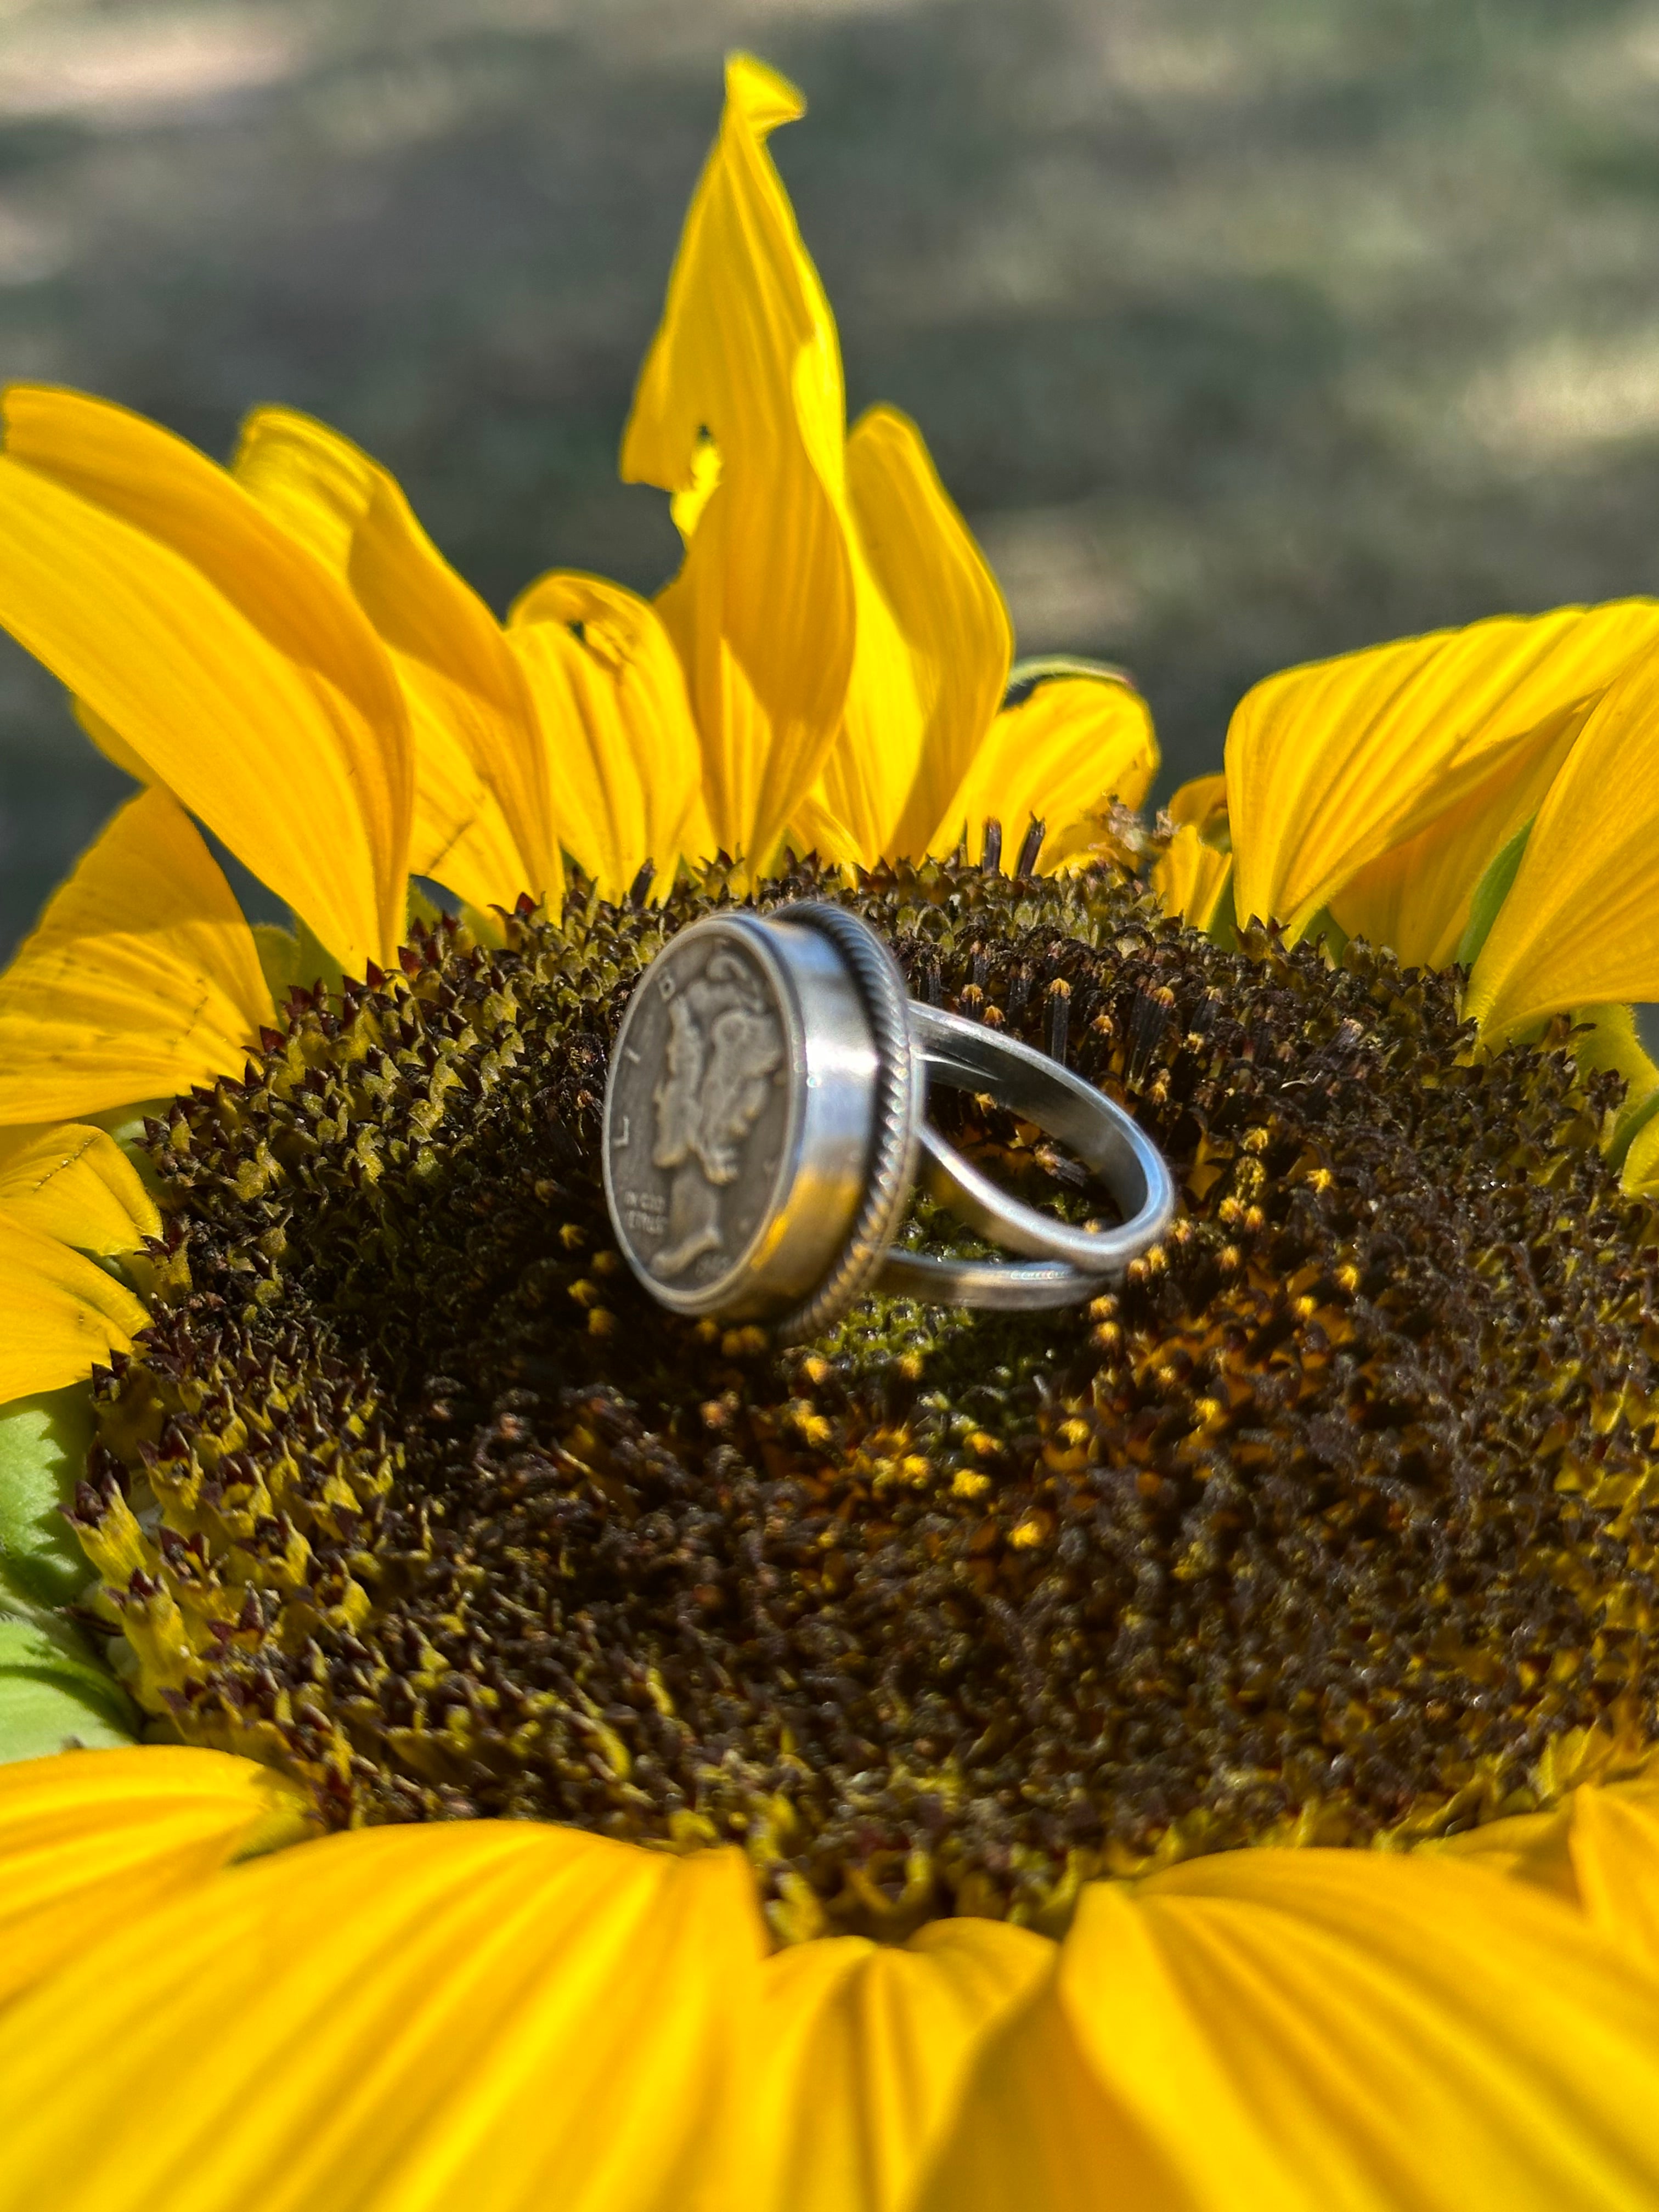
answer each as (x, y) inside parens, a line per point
(1335, 1520)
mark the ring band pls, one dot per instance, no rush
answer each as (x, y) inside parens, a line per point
(763, 1133)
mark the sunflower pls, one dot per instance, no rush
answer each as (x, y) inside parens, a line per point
(478, 1739)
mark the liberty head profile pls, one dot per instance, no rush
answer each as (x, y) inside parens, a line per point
(723, 1045)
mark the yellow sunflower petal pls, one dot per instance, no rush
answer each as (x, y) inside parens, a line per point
(934, 644)
(1614, 1839)
(89, 1841)
(1202, 803)
(1298, 2030)
(1191, 876)
(500, 2014)
(762, 611)
(610, 695)
(1071, 744)
(484, 806)
(1416, 897)
(1331, 764)
(142, 979)
(59, 1312)
(1580, 922)
(77, 1185)
(1036, 2128)
(866, 2050)
(219, 650)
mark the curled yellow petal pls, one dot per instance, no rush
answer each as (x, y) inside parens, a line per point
(90, 1841)
(1293, 2030)
(934, 646)
(59, 1313)
(1070, 741)
(1416, 897)
(609, 694)
(219, 650)
(1330, 765)
(1614, 1839)
(141, 980)
(497, 2014)
(1201, 803)
(77, 1185)
(1192, 878)
(483, 807)
(865, 2052)
(1580, 922)
(762, 611)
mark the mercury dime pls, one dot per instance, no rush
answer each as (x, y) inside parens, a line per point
(702, 1115)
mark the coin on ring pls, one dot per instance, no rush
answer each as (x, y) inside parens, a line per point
(763, 1130)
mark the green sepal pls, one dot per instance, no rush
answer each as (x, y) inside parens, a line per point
(54, 1695)
(43, 1452)
(317, 964)
(54, 1691)
(279, 958)
(1490, 894)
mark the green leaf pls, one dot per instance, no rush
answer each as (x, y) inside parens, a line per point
(1490, 894)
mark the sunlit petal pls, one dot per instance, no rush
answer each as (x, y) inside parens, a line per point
(484, 803)
(1581, 922)
(762, 612)
(865, 2052)
(141, 980)
(934, 644)
(1070, 744)
(59, 1312)
(77, 1184)
(609, 692)
(219, 651)
(89, 1843)
(498, 2014)
(1294, 2030)
(1330, 765)
(1201, 803)
(1416, 897)
(1191, 877)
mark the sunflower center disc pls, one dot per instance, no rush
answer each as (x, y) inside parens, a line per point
(1337, 1520)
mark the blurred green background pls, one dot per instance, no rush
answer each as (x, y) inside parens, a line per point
(1241, 333)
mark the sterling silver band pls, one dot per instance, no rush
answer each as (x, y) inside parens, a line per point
(967, 1056)
(763, 1133)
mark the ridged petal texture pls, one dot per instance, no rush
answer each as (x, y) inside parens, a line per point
(1191, 877)
(484, 806)
(865, 2052)
(91, 1841)
(218, 649)
(65, 1193)
(508, 2014)
(934, 648)
(1581, 922)
(1292, 2031)
(1332, 765)
(141, 980)
(611, 694)
(60, 1313)
(740, 411)
(502, 2015)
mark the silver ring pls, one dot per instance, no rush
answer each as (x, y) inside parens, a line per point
(763, 1133)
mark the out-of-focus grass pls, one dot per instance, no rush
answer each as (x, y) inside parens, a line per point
(1243, 334)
